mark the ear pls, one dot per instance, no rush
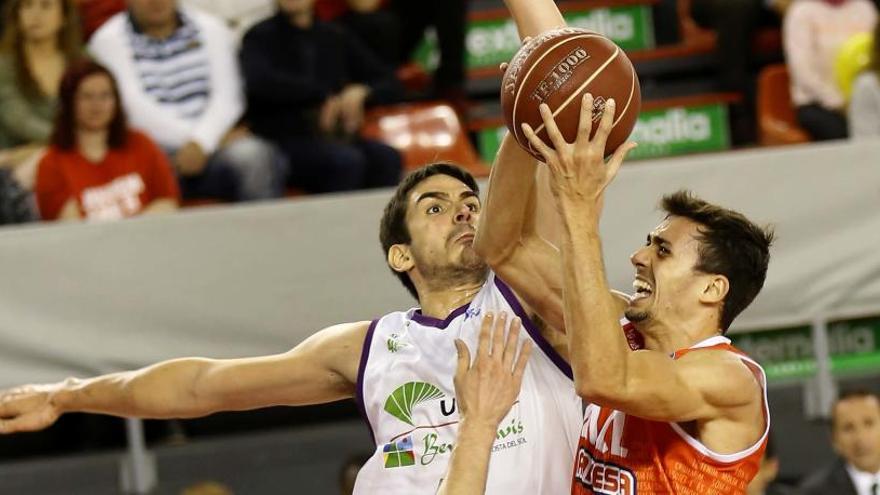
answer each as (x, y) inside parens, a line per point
(715, 290)
(400, 258)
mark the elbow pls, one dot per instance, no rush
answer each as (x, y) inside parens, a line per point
(596, 390)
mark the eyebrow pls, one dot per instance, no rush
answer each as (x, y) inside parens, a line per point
(656, 239)
(443, 196)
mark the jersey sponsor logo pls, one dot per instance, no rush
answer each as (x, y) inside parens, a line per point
(603, 478)
(612, 430)
(394, 344)
(399, 453)
(401, 402)
(471, 313)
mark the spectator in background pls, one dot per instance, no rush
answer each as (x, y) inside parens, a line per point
(307, 85)
(95, 167)
(40, 40)
(394, 28)
(179, 79)
(813, 32)
(764, 482)
(855, 435)
(864, 107)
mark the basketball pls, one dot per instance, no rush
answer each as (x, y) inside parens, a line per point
(558, 68)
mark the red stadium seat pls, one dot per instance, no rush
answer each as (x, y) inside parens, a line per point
(424, 133)
(776, 118)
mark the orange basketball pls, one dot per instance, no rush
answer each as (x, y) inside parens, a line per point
(558, 68)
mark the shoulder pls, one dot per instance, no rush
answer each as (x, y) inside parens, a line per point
(208, 23)
(110, 31)
(723, 376)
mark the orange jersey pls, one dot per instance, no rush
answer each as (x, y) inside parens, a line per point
(621, 454)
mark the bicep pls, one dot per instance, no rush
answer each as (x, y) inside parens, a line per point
(534, 271)
(697, 386)
(321, 369)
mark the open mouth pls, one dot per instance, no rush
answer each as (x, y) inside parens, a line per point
(642, 289)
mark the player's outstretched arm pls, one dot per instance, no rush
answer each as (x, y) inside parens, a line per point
(323, 368)
(533, 17)
(486, 390)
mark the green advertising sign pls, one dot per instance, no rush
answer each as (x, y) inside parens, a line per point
(788, 353)
(680, 130)
(672, 131)
(491, 42)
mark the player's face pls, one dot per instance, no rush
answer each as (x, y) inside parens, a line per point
(857, 432)
(667, 286)
(441, 216)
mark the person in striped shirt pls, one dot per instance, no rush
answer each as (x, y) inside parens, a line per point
(180, 83)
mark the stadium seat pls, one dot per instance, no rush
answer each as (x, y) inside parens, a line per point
(776, 118)
(424, 133)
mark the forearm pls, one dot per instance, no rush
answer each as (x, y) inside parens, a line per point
(164, 390)
(506, 213)
(598, 349)
(533, 17)
(469, 466)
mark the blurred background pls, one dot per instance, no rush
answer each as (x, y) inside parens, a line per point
(246, 149)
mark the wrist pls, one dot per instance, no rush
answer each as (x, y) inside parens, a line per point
(62, 394)
(478, 430)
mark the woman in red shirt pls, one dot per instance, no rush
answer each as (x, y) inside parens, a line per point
(96, 168)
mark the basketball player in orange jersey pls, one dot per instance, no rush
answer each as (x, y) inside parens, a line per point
(687, 414)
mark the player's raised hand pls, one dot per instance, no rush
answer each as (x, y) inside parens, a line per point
(579, 170)
(487, 388)
(27, 408)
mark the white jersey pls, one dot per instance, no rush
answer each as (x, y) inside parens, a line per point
(405, 390)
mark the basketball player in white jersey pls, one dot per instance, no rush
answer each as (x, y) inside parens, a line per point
(399, 367)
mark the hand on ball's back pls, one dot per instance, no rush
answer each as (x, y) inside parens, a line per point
(558, 68)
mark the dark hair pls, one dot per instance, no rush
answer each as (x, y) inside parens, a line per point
(69, 43)
(64, 132)
(730, 245)
(851, 393)
(393, 229)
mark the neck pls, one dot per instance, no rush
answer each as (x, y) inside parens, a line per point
(41, 49)
(92, 143)
(161, 31)
(439, 303)
(671, 338)
(302, 19)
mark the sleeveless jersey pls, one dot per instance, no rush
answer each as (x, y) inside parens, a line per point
(625, 455)
(406, 392)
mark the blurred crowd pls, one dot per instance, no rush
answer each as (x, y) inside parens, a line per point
(114, 108)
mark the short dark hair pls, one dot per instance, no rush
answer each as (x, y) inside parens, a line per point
(730, 245)
(64, 131)
(851, 393)
(393, 229)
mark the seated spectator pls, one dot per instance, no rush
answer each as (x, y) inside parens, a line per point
(855, 435)
(95, 167)
(813, 32)
(736, 22)
(394, 28)
(40, 40)
(864, 108)
(179, 80)
(307, 84)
